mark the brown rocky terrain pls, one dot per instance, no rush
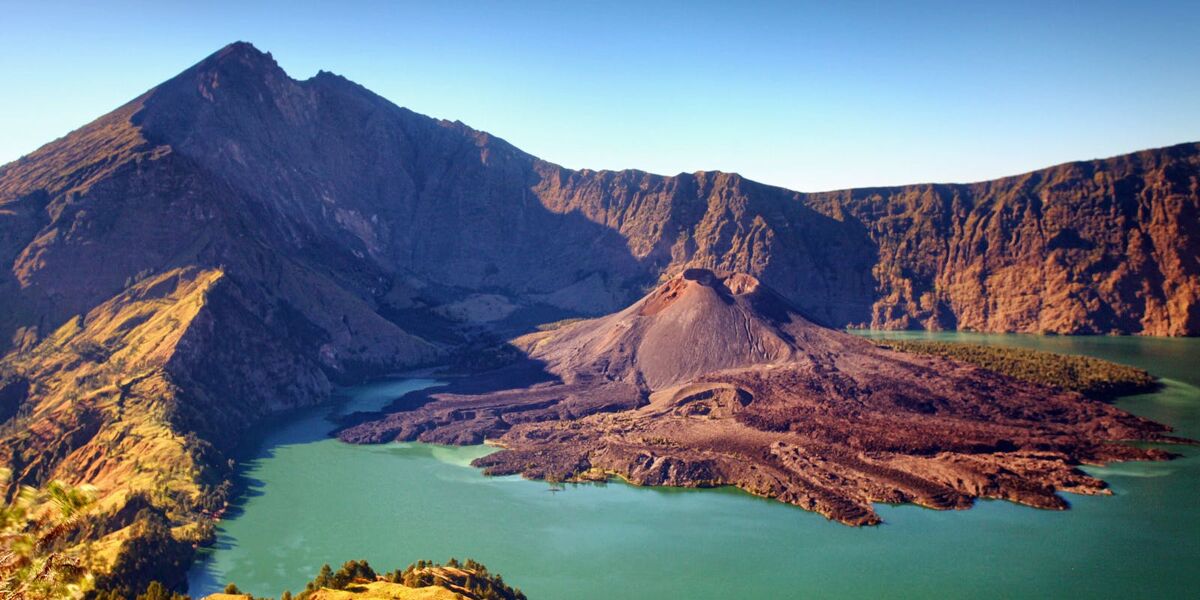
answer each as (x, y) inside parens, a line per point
(717, 380)
(1103, 246)
(234, 241)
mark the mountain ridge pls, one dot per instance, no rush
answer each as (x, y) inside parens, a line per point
(659, 228)
(248, 51)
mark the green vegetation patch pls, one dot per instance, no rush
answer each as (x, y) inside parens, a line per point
(468, 580)
(559, 324)
(1089, 376)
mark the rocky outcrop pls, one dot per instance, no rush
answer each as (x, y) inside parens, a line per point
(1104, 246)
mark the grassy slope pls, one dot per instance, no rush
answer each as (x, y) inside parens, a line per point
(98, 407)
(1089, 376)
(384, 590)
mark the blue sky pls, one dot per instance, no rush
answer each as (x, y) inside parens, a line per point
(811, 96)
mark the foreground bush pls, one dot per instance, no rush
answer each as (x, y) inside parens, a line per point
(34, 527)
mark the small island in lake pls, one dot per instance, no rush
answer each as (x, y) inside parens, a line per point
(714, 379)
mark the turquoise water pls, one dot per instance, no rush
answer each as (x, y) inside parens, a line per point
(314, 500)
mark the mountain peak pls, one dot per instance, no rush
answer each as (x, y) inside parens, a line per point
(229, 82)
(244, 51)
(238, 58)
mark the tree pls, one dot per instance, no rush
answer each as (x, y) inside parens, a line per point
(232, 588)
(351, 571)
(157, 591)
(32, 528)
(151, 553)
(324, 579)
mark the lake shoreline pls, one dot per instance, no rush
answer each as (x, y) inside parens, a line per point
(514, 526)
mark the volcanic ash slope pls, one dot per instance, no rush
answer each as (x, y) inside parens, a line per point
(714, 379)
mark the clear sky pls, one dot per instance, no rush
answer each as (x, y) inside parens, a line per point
(811, 96)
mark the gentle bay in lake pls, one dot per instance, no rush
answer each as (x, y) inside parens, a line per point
(314, 500)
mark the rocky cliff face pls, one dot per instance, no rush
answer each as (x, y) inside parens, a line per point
(1105, 246)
